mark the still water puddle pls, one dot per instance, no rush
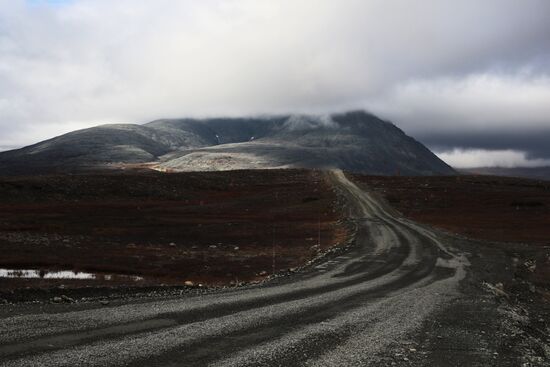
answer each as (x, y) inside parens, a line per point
(63, 274)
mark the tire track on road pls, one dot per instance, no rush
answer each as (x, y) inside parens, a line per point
(393, 259)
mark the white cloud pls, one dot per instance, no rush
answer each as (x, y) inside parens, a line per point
(475, 158)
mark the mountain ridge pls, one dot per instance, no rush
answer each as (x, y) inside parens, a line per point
(356, 141)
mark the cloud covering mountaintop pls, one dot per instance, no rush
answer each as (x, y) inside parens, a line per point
(455, 74)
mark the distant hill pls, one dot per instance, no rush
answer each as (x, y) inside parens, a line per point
(356, 141)
(539, 173)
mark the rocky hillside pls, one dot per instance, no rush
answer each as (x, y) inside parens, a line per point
(354, 141)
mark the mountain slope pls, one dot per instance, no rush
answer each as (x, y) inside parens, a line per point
(355, 141)
(91, 147)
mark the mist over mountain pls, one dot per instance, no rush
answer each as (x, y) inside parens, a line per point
(356, 141)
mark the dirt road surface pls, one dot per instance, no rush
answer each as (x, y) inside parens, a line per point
(403, 294)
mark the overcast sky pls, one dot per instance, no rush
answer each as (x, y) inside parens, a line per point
(469, 78)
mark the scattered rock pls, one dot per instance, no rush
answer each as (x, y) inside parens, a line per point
(497, 289)
(67, 299)
(316, 248)
(531, 265)
(263, 273)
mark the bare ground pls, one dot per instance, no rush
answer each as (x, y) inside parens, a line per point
(208, 228)
(402, 294)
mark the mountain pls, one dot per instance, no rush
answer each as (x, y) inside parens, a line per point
(356, 141)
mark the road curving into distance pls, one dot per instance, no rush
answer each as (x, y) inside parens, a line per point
(341, 312)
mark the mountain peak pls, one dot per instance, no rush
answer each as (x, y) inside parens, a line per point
(356, 141)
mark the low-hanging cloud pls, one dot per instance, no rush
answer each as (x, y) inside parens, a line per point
(437, 68)
(474, 158)
(306, 122)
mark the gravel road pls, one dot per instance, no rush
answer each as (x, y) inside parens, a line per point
(371, 305)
